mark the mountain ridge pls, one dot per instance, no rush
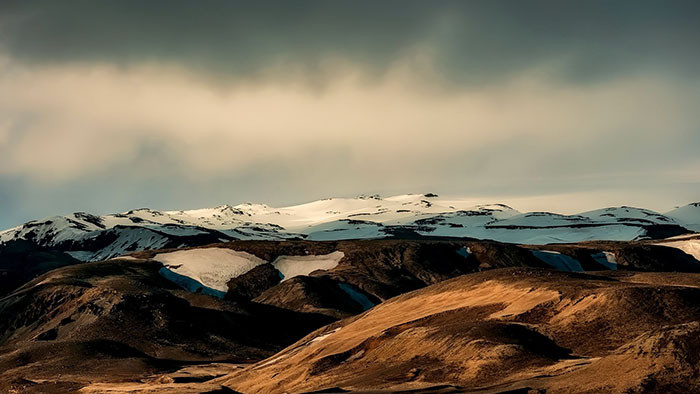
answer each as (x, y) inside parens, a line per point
(91, 237)
(129, 319)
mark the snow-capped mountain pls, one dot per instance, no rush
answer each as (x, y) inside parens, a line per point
(91, 237)
(688, 216)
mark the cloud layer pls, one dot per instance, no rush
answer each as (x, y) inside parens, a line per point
(473, 42)
(108, 106)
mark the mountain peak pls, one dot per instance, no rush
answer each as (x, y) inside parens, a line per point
(369, 197)
(367, 216)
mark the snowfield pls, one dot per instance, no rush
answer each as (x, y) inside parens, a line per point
(559, 261)
(212, 267)
(688, 215)
(627, 214)
(607, 259)
(690, 245)
(356, 296)
(209, 269)
(92, 237)
(291, 266)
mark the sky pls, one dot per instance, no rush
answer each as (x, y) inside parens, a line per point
(544, 105)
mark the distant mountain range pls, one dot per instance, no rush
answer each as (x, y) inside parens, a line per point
(89, 237)
(298, 299)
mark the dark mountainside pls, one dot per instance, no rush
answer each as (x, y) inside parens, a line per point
(21, 261)
(505, 330)
(120, 320)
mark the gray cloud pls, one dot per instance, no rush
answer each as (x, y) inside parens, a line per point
(107, 106)
(472, 42)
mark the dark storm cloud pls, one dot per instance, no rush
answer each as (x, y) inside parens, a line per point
(473, 41)
(108, 105)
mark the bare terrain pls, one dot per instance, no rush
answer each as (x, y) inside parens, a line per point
(391, 315)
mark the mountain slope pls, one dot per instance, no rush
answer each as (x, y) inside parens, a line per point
(90, 237)
(108, 320)
(21, 261)
(687, 215)
(342, 278)
(504, 330)
(127, 318)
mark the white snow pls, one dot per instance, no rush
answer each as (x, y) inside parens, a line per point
(55, 228)
(181, 231)
(124, 258)
(689, 246)
(557, 260)
(189, 284)
(541, 236)
(344, 229)
(291, 266)
(324, 336)
(464, 251)
(688, 216)
(627, 214)
(272, 360)
(209, 269)
(544, 219)
(356, 296)
(130, 239)
(607, 259)
(364, 217)
(355, 356)
(212, 267)
(81, 255)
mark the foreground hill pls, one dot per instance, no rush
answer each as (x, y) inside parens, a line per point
(155, 311)
(504, 330)
(89, 237)
(121, 318)
(21, 261)
(376, 270)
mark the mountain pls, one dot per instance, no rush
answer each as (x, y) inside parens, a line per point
(89, 237)
(138, 317)
(687, 215)
(120, 318)
(507, 330)
(689, 244)
(21, 261)
(88, 301)
(376, 270)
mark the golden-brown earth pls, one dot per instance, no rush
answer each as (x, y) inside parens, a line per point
(496, 331)
(504, 322)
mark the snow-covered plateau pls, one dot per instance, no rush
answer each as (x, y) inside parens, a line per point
(90, 237)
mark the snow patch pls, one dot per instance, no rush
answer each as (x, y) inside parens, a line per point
(343, 218)
(464, 251)
(81, 255)
(690, 246)
(324, 336)
(189, 284)
(212, 267)
(687, 215)
(272, 360)
(606, 259)
(356, 296)
(291, 266)
(557, 260)
(124, 258)
(344, 229)
(628, 215)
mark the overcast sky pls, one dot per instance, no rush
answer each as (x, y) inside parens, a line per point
(546, 105)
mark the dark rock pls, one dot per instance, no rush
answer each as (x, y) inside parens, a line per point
(253, 283)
